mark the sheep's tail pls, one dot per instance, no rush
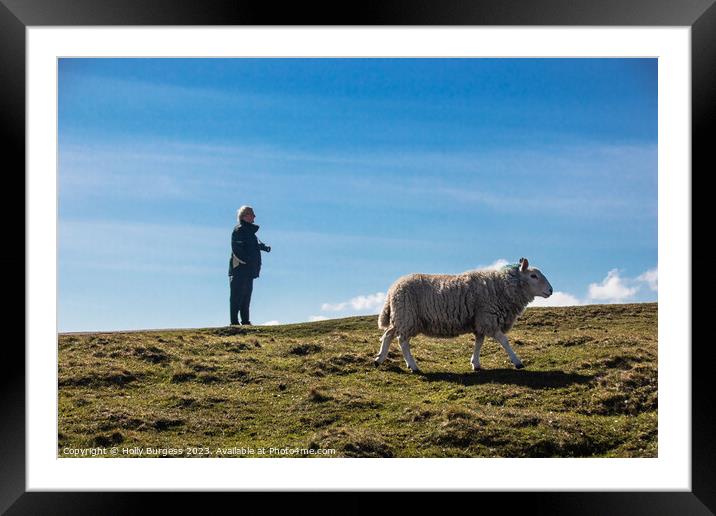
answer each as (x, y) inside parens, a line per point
(384, 317)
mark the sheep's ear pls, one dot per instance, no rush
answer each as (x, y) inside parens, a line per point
(524, 264)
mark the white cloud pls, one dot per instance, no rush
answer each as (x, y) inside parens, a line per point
(371, 302)
(314, 318)
(612, 289)
(651, 277)
(557, 299)
(271, 323)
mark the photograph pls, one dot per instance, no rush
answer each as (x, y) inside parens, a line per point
(357, 257)
(437, 248)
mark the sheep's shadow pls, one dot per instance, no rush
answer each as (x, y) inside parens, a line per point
(523, 377)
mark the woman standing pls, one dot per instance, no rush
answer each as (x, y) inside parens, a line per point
(245, 264)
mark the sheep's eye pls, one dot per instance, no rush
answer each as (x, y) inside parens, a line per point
(533, 276)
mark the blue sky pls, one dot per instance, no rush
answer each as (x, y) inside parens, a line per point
(359, 170)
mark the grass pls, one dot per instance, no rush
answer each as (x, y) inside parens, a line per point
(589, 389)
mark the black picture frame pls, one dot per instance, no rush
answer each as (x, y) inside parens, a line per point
(17, 15)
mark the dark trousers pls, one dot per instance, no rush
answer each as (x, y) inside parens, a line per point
(241, 288)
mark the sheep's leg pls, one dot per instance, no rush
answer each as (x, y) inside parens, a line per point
(384, 345)
(409, 360)
(502, 339)
(475, 360)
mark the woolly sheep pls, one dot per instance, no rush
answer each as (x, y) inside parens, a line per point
(482, 302)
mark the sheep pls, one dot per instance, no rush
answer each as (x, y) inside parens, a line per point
(482, 302)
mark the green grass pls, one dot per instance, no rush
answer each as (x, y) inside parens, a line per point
(589, 389)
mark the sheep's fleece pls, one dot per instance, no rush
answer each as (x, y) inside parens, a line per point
(483, 302)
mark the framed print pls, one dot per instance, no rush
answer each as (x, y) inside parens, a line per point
(437, 140)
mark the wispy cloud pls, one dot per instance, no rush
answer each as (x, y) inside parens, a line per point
(144, 171)
(142, 247)
(177, 170)
(326, 239)
(271, 323)
(538, 201)
(137, 94)
(314, 318)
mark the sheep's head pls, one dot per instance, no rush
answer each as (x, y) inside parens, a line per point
(536, 281)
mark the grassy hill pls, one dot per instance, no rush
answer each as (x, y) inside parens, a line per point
(589, 389)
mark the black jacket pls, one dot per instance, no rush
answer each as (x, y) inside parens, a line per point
(245, 246)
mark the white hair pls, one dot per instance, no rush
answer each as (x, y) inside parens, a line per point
(242, 211)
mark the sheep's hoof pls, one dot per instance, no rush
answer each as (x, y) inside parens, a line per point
(476, 369)
(415, 371)
(519, 366)
(376, 362)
